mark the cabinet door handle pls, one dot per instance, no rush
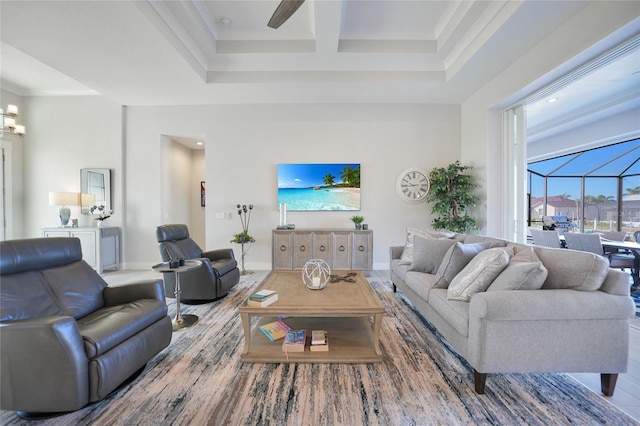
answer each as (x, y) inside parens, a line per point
(341, 248)
(361, 248)
(303, 248)
(322, 248)
(283, 248)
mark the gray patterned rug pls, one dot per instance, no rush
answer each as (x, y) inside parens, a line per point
(199, 380)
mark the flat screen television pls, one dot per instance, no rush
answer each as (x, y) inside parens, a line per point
(314, 187)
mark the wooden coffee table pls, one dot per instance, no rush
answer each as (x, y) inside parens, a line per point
(351, 313)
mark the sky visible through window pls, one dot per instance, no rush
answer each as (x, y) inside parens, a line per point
(600, 166)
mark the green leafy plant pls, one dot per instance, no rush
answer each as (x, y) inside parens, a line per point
(357, 219)
(451, 193)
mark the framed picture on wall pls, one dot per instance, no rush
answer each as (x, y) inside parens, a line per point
(203, 195)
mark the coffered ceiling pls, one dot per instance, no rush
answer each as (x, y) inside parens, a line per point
(190, 52)
(205, 52)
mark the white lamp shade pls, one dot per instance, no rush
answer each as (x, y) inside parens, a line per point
(87, 199)
(20, 130)
(9, 122)
(12, 109)
(64, 199)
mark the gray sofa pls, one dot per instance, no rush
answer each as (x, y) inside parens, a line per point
(66, 338)
(558, 310)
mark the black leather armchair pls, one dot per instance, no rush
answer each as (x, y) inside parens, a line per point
(213, 280)
(66, 338)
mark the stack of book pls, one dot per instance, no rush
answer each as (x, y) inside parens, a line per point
(262, 298)
(294, 341)
(275, 330)
(319, 341)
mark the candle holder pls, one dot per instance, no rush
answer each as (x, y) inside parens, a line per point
(316, 274)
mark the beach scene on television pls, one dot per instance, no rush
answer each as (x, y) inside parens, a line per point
(319, 186)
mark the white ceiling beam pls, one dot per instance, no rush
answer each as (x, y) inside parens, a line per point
(326, 22)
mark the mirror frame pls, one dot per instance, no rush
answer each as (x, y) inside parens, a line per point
(84, 185)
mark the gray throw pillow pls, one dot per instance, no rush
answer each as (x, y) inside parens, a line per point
(454, 261)
(524, 272)
(428, 253)
(407, 253)
(479, 273)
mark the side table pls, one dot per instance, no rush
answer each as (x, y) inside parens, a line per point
(180, 321)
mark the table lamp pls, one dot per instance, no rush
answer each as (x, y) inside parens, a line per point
(64, 199)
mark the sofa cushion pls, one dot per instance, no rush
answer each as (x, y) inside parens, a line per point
(27, 289)
(456, 258)
(524, 272)
(421, 283)
(495, 242)
(108, 327)
(224, 266)
(454, 312)
(399, 269)
(407, 253)
(78, 288)
(576, 270)
(428, 253)
(479, 273)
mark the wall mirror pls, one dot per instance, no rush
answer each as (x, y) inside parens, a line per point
(98, 183)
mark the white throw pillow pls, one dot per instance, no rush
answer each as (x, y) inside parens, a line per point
(524, 272)
(478, 275)
(454, 261)
(407, 254)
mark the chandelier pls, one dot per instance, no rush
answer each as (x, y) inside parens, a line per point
(9, 121)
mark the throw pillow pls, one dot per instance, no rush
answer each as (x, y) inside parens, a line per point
(524, 272)
(455, 260)
(407, 254)
(479, 273)
(428, 253)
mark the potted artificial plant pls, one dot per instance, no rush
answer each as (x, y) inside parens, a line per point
(451, 193)
(357, 220)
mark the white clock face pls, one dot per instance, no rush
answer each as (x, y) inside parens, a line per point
(412, 185)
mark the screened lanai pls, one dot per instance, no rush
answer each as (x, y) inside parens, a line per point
(596, 189)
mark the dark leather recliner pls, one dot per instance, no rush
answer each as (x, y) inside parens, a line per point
(211, 281)
(66, 338)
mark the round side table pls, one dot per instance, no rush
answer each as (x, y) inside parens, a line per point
(180, 321)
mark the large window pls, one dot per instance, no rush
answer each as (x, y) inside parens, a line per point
(596, 190)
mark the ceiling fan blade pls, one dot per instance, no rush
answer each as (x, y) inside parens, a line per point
(285, 9)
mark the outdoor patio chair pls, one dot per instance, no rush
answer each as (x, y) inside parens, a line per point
(592, 243)
(546, 238)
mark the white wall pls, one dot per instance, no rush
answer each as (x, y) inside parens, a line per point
(64, 135)
(595, 29)
(244, 144)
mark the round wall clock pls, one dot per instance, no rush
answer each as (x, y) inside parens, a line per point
(412, 185)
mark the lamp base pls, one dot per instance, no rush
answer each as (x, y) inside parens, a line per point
(65, 214)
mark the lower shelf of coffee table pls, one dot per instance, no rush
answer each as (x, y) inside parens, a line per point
(351, 340)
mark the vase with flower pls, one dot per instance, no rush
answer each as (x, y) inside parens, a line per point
(103, 215)
(243, 238)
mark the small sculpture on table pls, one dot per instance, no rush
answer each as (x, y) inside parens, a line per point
(316, 273)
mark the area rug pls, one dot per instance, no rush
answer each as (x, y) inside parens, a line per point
(199, 380)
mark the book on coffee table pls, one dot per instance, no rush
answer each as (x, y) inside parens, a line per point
(319, 341)
(294, 341)
(262, 298)
(275, 330)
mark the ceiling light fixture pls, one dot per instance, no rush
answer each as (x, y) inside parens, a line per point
(9, 121)
(199, 143)
(226, 22)
(552, 100)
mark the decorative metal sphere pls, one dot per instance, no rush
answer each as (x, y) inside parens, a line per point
(316, 274)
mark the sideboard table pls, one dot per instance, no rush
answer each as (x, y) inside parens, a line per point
(100, 246)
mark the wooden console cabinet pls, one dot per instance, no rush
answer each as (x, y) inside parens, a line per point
(340, 248)
(100, 246)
